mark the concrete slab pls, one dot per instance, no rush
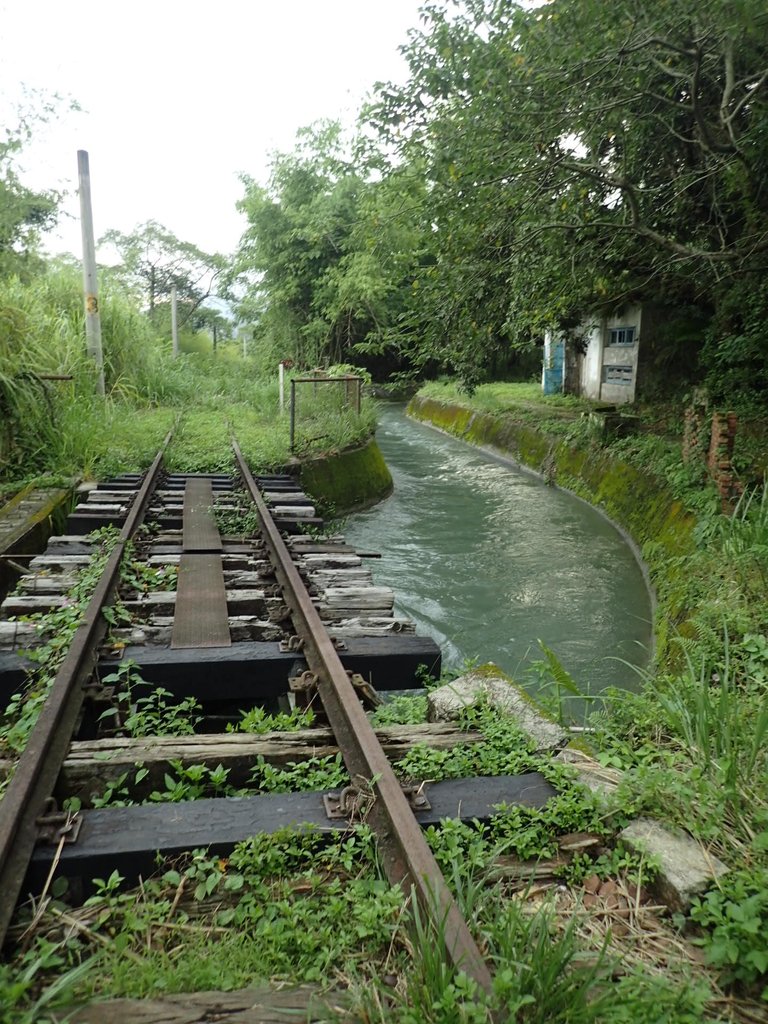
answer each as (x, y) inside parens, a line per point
(490, 684)
(686, 868)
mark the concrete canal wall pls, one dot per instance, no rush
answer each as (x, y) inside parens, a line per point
(349, 480)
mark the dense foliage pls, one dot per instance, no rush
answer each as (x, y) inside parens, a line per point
(328, 254)
(24, 212)
(540, 164)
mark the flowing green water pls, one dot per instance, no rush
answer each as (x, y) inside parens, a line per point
(487, 559)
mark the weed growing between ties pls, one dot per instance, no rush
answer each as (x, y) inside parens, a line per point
(299, 906)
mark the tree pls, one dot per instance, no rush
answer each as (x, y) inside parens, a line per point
(580, 155)
(327, 252)
(24, 213)
(154, 261)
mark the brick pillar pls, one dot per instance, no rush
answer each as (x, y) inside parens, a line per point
(696, 417)
(720, 458)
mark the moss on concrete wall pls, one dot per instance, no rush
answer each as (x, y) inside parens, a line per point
(349, 480)
(640, 503)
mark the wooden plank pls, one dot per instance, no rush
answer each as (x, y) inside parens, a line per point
(169, 546)
(18, 635)
(92, 764)
(201, 534)
(127, 839)
(242, 628)
(200, 616)
(302, 1005)
(23, 514)
(162, 602)
(80, 524)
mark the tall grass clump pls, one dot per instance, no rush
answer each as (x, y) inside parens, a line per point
(55, 426)
(64, 427)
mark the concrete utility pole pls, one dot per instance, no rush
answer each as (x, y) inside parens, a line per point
(90, 281)
(174, 322)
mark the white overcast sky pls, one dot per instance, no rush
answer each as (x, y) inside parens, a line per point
(180, 96)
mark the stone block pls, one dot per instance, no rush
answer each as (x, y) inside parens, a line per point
(446, 703)
(591, 773)
(686, 869)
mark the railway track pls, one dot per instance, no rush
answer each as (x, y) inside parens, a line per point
(274, 617)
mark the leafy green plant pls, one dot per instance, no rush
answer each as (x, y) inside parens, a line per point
(191, 782)
(723, 732)
(734, 916)
(237, 522)
(403, 709)
(542, 974)
(56, 629)
(26, 997)
(618, 862)
(158, 713)
(316, 773)
(257, 721)
(555, 687)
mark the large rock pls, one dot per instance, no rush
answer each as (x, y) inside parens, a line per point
(686, 869)
(446, 703)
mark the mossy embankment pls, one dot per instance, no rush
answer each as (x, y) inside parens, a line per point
(639, 502)
(26, 522)
(348, 480)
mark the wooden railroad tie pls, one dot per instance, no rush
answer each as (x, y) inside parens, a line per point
(129, 839)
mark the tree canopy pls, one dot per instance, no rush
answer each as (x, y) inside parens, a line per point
(538, 165)
(154, 261)
(25, 214)
(327, 251)
(580, 155)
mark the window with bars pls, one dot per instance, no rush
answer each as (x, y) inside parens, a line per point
(621, 336)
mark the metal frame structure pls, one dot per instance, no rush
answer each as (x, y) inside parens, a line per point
(346, 378)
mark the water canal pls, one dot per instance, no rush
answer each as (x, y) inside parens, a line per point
(487, 559)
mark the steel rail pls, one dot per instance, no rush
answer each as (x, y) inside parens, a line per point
(41, 760)
(405, 855)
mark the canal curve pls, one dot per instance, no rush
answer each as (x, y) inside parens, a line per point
(489, 560)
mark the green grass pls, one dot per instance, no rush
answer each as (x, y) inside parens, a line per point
(500, 397)
(61, 428)
(693, 745)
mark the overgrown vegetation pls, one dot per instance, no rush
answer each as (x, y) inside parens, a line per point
(541, 163)
(62, 428)
(299, 905)
(692, 744)
(55, 630)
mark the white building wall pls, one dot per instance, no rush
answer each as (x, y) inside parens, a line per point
(609, 371)
(622, 357)
(592, 361)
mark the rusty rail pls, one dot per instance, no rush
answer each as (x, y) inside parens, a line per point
(406, 857)
(41, 759)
